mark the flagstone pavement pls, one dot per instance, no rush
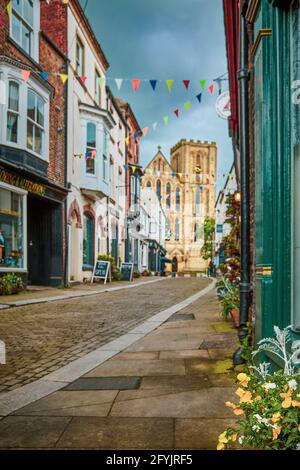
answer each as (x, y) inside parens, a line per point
(165, 391)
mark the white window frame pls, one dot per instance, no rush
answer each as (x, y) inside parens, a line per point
(35, 123)
(79, 61)
(97, 87)
(92, 148)
(22, 193)
(34, 53)
(7, 74)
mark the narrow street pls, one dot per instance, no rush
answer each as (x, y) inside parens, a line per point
(44, 337)
(165, 391)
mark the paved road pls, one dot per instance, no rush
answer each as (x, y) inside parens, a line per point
(42, 338)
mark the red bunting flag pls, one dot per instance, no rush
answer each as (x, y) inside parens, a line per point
(186, 83)
(83, 79)
(176, 112)
(25, 74)
(145, 131)
(135, 84)
(211, 88)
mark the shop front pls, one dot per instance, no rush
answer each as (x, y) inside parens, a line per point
(31, 229)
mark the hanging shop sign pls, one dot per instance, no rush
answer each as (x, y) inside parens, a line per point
(102, 270)
(127, 271)
(223, 106)
(23, 183)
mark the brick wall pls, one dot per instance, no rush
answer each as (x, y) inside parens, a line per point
(54, 22)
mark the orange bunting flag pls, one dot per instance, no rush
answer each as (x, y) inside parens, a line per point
(186, 83)
(25, 74)
(211, 88)
(64, 77)
(135, 84)
(145, 131)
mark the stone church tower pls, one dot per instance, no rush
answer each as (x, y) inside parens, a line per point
(187, 190)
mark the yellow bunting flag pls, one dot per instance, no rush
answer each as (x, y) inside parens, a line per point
(170, 84)
(8, 8)
(166, 120)
(127, 140)
(101, 81)
(64, 77)
(133, 169)
(187, 105)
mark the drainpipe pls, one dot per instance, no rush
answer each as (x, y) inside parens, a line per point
(107, 225)
(66, 265)
(245, 199)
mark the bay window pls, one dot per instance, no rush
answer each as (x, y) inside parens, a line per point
(13, 112)
(12, 228)
(105, 155)
(35, 122)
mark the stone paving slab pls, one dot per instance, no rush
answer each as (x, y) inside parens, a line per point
(139, 368)
(105, 383)
(118, 433)
(173, 382)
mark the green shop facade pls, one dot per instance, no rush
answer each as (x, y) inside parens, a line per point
(274, 115)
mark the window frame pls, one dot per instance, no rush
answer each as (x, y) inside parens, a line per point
(35, 123)
(90, 148)
(10, 111)
(79, 42)
(35, 27)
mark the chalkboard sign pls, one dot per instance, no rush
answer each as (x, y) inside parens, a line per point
(127, 271)
(102, 270)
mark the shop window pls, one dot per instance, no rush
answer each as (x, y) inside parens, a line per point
(158, 189)
(13, 112)
(177, 199)
(177, 230)
(22, 23)
(88, 240)
(90, 155)
(168, 196)
(35, 122)
(79, 58)
(12, 229)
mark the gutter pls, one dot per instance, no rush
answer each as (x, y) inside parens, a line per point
(243, 78)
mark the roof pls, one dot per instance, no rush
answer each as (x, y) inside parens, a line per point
(159, 153)
(127, 111)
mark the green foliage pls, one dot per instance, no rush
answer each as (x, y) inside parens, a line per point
(230, 301)
(209, 244)
(10, 284)
(103, 257)
(116, 276)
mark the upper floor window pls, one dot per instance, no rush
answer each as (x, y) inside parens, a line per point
(13, 112)
(132, 190)
(158, 189)
(168, 195)
(90, 148)
(22, 24)
(105, 155)
(97, 88)
(197, 202)
(79, 58)
(35, 122)
(177, 199)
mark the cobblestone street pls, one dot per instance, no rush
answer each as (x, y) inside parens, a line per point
(44, 337)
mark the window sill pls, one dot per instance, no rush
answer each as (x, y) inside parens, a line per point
(28, 56)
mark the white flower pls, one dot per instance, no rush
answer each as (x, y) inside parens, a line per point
(241, 439)
(269, 385)
(298, 446)
(255, 428)
(293, 384)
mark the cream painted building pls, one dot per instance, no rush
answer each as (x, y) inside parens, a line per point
(187, 190)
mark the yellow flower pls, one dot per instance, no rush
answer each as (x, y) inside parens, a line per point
(234, 437)
(296, 403)
(287, 402)
(276, 431)
(220, 446)
(230, 404)
(238, 411)
(240, 392)
(246, 398)
(288, 394)
(276, 417)
(243, 379)
(223, 438)
(258, 398)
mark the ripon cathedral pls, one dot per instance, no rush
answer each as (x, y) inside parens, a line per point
(186, 188)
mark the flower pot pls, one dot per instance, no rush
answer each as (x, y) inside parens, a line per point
(235, 317)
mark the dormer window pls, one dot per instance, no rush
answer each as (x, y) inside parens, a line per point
(24, 24)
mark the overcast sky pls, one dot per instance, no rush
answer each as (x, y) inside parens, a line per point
(166, 39)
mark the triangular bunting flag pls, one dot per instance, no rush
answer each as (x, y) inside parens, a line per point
(170, 84)
(135, 84)
(25, 74)
(166, 120)
(83, 79)
(176, 112)
(64, 77)
(133, 168)
(203, 84)
(186, 83)
(93, 153)
(8, 8)
(154, 125)
(211, 88)
(153, 83)
(124, 166)
(119, 82)
(228, 106)
(44, 75)
(101, 81)
(127, 140)
(199, 97)
(187, 105)
(145, 131)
